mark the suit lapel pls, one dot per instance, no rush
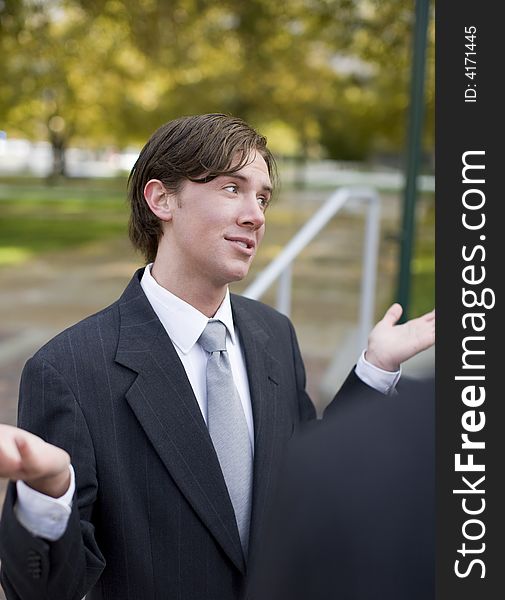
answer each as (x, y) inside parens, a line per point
(263, 373)
(164, 403)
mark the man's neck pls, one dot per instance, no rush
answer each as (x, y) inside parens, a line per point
(207, 300)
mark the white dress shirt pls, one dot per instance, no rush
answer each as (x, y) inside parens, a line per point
(47, 517)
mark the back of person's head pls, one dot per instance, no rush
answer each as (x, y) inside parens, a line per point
(195, 148)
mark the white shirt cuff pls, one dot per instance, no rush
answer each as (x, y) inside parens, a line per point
(380, 380)
(42, 515)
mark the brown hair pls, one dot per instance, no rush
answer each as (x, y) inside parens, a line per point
(198, 148)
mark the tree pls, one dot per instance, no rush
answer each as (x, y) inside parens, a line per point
(70, 76)
(334, 73)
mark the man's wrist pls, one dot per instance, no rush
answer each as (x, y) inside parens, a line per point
(377, 378)
(374, 360)
(54, 486)
(44, 516)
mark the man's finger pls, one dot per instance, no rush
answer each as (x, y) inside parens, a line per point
(24, 449)
(393, 314)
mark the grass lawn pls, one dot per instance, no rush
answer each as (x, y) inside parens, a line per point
(35, 217)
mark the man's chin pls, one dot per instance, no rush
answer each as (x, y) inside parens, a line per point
(238, 275)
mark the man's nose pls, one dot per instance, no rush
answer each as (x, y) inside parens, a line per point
(252, 214)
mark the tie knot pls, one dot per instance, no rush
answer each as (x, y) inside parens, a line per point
(213, 338)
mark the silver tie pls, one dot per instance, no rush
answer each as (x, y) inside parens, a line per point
(228, 427)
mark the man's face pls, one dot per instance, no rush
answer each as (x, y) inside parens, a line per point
(216, 227)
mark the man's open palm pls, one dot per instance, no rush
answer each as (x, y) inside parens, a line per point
(389, 344)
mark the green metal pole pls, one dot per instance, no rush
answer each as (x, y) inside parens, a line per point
(413, 152)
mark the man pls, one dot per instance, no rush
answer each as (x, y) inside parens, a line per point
(175, 403)
(360, 487)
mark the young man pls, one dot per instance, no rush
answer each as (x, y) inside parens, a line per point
(174, 404)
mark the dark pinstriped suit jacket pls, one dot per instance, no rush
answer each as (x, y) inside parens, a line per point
(151, 517)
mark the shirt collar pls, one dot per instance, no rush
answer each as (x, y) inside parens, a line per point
(183, 322)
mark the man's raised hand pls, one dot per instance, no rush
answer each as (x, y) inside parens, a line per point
(26, 457)
(389, 344)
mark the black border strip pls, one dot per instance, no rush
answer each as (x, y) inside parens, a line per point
(463, 126)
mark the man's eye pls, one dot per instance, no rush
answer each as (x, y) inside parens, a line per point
(263, 201)
(231, 188)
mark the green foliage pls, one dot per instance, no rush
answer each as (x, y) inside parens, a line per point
(334, 72)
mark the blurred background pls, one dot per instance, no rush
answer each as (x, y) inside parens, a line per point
(83, 84)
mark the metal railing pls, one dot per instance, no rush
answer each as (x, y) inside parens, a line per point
(281, 266)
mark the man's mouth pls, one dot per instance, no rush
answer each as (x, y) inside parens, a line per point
(245, 243)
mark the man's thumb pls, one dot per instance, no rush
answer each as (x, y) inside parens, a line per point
(393, 314)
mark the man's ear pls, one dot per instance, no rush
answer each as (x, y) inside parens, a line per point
(159, 200)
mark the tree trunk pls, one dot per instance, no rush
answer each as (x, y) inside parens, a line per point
(301, 165)
(59, 146)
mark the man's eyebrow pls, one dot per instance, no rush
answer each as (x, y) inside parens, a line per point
(267, 188)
